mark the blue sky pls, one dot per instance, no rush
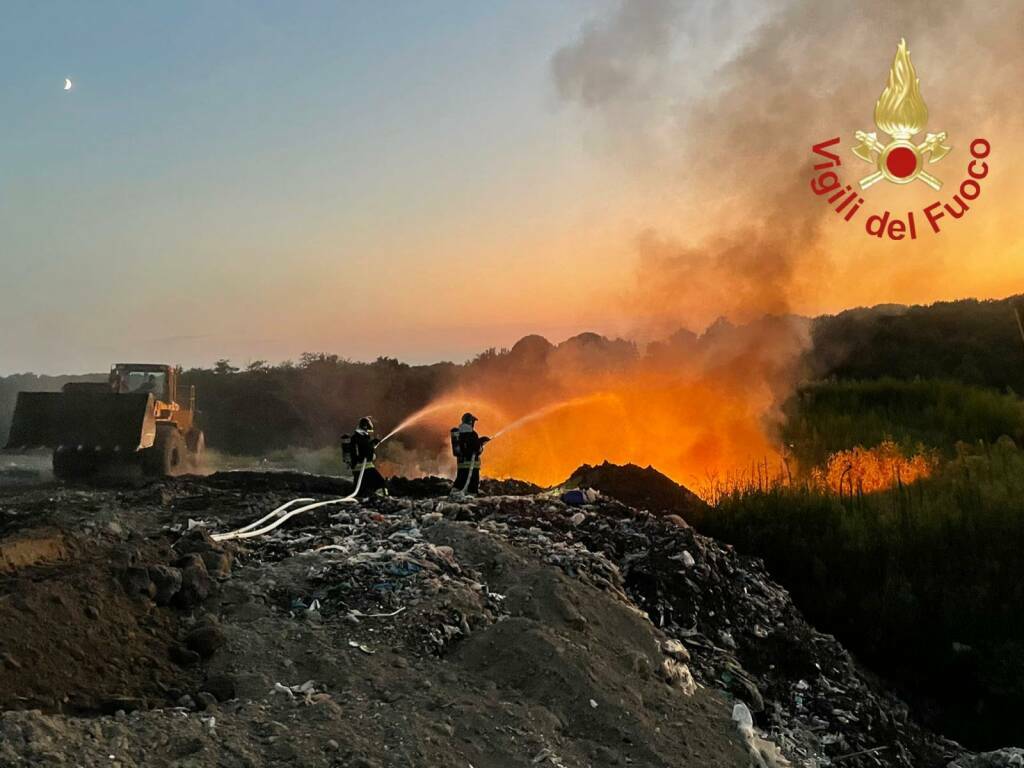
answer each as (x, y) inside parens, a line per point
(421, 180)
(215, 161)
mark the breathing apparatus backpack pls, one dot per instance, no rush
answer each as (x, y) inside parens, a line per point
(346, 450)
(455, 442)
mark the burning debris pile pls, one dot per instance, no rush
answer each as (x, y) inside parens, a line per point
(423, 630)
(641, 488)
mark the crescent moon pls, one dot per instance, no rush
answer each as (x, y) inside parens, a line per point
(67, 84)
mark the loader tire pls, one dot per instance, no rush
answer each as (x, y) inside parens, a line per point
(167, 456)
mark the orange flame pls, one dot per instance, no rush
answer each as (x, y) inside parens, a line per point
(866, 470)
(683, 428)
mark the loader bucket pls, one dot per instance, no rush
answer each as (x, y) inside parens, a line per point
(83, 420)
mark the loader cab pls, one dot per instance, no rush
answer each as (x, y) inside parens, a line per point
(157, 380)
(160, 381)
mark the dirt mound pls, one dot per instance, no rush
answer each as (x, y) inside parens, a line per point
(31, 547)
(413, 639)
(640, 488)
(583, 659)
(95, 617)
(74, 638)
(417, 631)
(739, 630)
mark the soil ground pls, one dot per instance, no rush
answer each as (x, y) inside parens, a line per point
(431, 642)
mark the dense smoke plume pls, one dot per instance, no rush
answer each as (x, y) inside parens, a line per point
(731, 134)
(692, 405)
(726, 133)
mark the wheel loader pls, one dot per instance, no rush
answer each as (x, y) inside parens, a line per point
(136, 420)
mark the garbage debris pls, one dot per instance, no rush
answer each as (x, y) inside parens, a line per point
(678, 675)
(428, 612)
(308, 692)
(1002, 758)
(579, 496)
(763, 753)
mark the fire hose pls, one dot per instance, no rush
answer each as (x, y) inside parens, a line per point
(268, 516)
(283, 513)
(252, 530)
(469, 476)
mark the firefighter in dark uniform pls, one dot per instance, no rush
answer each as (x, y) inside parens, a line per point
(364, 454)
(467, 446)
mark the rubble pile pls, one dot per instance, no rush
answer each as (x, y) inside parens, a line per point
(639, 487)
(426, 630)
(380, 565)
(741, 631)
(385, 633)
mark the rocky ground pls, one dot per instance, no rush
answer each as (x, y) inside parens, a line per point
(509, 630)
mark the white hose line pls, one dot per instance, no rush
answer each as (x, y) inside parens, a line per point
(469, 477)
(271, 515)
(249, 533)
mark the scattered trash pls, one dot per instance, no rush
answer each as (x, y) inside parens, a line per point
(678, 675)
(579, 497)
(360, 615)
(278, 688)
(675, 649)
(373, 573)
(1002, 758)
(764, 753)
(547, 756)
(307, 691)
(743, 719)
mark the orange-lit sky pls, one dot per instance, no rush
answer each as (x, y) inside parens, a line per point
(250, 182)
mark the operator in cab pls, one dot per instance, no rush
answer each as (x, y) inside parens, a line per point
(149, 386)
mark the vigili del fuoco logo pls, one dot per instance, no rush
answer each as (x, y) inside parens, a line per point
(896, 157)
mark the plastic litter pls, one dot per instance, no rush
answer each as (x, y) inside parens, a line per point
(743, 719)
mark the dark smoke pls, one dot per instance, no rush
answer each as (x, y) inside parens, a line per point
(726, 110)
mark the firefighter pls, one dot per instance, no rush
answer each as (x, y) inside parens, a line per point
(467, 446)
(363, 453)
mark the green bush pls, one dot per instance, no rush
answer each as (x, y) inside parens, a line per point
(925, 581)
(824, 418)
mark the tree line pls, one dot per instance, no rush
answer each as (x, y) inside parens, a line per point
(309, 402)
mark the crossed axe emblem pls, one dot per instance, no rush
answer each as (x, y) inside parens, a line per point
(892, 159)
